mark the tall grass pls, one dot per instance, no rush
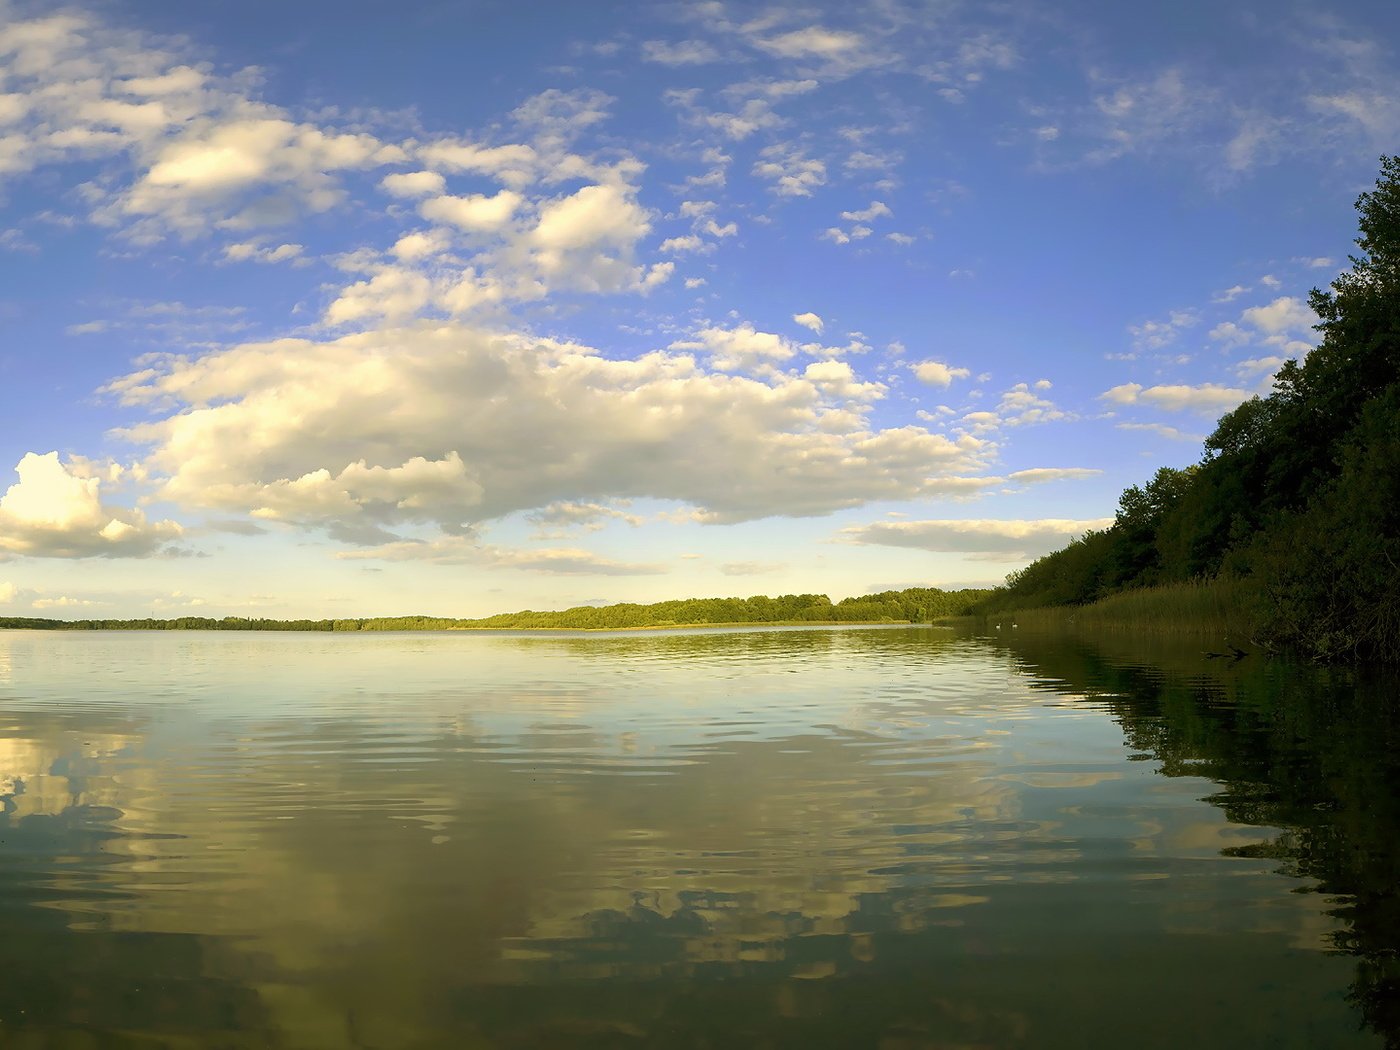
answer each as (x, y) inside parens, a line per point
(1204, 608)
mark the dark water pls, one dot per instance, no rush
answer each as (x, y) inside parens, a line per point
(888, 838)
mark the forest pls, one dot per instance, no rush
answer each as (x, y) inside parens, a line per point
(913, 605)
(1297, 494)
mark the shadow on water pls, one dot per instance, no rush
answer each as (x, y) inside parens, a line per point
(1310, 750)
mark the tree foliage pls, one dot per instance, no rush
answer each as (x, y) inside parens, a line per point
(1298, 491)
(913, 605)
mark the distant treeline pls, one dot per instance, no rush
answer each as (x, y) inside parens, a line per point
(914, 605)
(183, 623)
(1298, 493)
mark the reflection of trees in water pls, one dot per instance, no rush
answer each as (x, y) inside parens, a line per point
(1313, 751)
(744, 644)
(381, 877)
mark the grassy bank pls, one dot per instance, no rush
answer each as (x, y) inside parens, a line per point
(1214, 609)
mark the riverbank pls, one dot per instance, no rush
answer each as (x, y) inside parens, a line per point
(1209, 609)
(350, 626)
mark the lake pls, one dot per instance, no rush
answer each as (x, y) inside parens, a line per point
(903, 837)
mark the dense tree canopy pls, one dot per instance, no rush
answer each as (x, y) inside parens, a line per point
(1298, 491)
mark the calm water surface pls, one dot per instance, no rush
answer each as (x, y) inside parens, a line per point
(891, 838)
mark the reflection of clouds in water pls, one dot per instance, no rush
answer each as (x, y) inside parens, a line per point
(469, 810)
(46, 778)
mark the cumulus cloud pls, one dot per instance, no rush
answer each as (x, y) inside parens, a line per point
(936, 373)
(789, 171)
(810, 320)
(1009, 540)
(214, 169)
(414, 184)
(874, 211)
(514, 164)
(1205, 397)
(739, 348)
(1021, 406)
(53, 512)
(477, 213)
(446, 426)
(589, 235)
(1284, 314)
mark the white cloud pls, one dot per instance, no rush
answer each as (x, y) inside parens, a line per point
(936, 373)
(790, 171)
(855, 346)
(1229, 294)
(874, 211)
(837, 381)
(445, 426)
(591, 216)
(249, 251)
(412, 247)
(1377, 112)
(1284, 314)
(1205, 397)
(1154, 335)
(548, 561)
(52, 512)
(812, 42)
(738, 348)
(1161, 430)
(1259, 366)
(209, 172)
(477, 213)
(688, 243)
(1040, 475)
(414, 184)
(750, 568)
(1230, 334)
(1015, 539)
(680, 53)
(513, 164)
(566, 514)
(64, 602)
(1020, 406)
(810, 320)
(395, 292)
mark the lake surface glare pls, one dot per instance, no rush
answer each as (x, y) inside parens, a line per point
(893, 837)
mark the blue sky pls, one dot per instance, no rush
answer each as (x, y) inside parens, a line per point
(338, 309)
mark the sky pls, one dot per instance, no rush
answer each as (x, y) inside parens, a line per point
(457, 307)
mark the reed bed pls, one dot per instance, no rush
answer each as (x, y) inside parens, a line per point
(1200, 608)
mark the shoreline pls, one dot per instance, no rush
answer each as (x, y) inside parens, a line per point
(64, 629)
